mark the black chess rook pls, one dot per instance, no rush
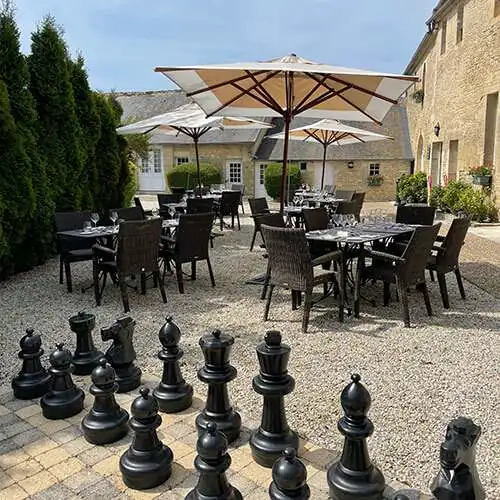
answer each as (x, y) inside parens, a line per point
(106, 422)
(64, 399)
(172, 393)
(121, 354)
(148, 462)
(273, 382)
(289, 478)
(33, 381)
(353, 476)
(217, 372)
(212, 463)
(86, 356)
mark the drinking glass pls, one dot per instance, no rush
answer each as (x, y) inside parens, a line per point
(171, 212)
(86, 226)
(351, 219)
(155, 211)
(113, 217)
(94, 217)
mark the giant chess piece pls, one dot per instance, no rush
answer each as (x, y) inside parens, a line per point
(148, 462)
(212, 463)
(86, 356)
(106, 422)
(353, 476)
(32, 381)
(289, 478)
(173, 394)
(64, 399)
(273, 382)
(121, 354)
(458, 478)
(217, 372)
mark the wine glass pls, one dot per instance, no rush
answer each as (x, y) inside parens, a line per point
(94, 217)
(155, 211)
(171, 211)
(351, 219)
(113, 217)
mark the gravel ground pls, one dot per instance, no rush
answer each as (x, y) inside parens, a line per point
(419, 378)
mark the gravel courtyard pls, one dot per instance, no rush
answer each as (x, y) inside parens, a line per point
(419, 378)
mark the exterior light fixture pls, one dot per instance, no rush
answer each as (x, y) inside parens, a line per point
(350, 164)
(437, 129)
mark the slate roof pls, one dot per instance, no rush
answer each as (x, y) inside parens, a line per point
(395, 125)
(140, 105)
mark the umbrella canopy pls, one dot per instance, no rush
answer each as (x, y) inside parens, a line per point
(287, 87)
(328, 132)
(190, 120)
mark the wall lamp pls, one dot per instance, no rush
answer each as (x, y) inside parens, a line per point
(437, 129)
(350, 164)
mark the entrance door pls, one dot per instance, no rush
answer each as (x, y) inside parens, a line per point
(260, 189)
(151, 176)
(436, 163)
(234, 172)
(318, 170)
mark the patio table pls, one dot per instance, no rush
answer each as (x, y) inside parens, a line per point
(94, 233)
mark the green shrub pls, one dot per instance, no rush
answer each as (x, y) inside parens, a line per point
(131, 186)
(436, 198)
(476, 204)
(451, 194)
(272, 179)
(412, 188)
(186, 175)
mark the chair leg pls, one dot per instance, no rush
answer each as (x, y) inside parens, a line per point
(61, 274)
(67, 271)
(180, 281)
(238, 219)
(268, 302)
(242, 207)
(143, 283)
(232, 221)
(161, 284)
(341, 293)
(253, 238)
(124, 294)
(427, 300)
(307, 310)
(266, 282)
(431, 274)
(210, 272)
(97, 294)
(193, 270)
(221, 222)
(294, 300)
(443, 289)
(403, 294)
(387, 293)
(299, 298)
(460, 283)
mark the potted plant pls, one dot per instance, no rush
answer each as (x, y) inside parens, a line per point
(418, 96)
(375, 180)
(481, 175)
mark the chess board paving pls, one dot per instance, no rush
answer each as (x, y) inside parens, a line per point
(50, 459)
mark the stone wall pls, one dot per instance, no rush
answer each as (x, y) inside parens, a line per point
(456, 84)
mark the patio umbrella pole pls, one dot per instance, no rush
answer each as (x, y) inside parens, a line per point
(195, 138)
(284, 187)
(325, 145)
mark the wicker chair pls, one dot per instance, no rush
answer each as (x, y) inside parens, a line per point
(359, 199)
(229, 204)
(138, 204)
(342, 194)
(445, 257)
(346, 207)
(292, 267)
(241, 188)
(200, 205)
(71, 249)
(415, 214)
(136, 254)
(407, 270)
(129, 213)
(165, 199)
(190, 245)
(179, 191)
(316, 218)
(258, 206)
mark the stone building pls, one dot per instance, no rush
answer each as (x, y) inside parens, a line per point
(453, 112)
(243, 155)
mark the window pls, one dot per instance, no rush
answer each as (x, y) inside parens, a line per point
(151, 163)
(374, 169)
(443, 37)
(496, 11)
(460, 23)
(179, 160)
(303, 165)
(234, 172)
(262, 173)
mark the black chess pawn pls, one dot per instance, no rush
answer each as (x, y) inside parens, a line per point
(212, 462)
(289, 478)
(273, 382)
(121, 354)
(106, 422)
(173, 394)
(63, 399)
(217, 372)
(458, 477)
(353, 476)
(33, 381)
(148, 462)
(86, 356)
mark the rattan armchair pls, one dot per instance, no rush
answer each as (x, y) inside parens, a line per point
(241, 188)
(129, 213)
(190, 246)
(415, 214)
(358, 199)
(343, 194)
(346, 207)
(229, 204)
(258, 206)
(71, 249)
(200, 205)
(136, 254)
(406, 270)
(140, 206)
(445, 257)
(292, 267)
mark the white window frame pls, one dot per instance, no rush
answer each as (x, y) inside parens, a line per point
(152, 163)
(230, 164)
(180, 160)
(374, 169)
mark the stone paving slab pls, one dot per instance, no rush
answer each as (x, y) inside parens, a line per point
(50, 459)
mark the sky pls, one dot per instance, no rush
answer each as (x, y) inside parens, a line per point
(123, 40)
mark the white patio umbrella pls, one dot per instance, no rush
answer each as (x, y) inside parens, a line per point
(328, 132)
(190, 120)
(287, 87)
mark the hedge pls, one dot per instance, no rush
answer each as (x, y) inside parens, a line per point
(412, 188)
(272, 179)
(186, 175)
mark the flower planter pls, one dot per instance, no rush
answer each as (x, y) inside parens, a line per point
(481, 180)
